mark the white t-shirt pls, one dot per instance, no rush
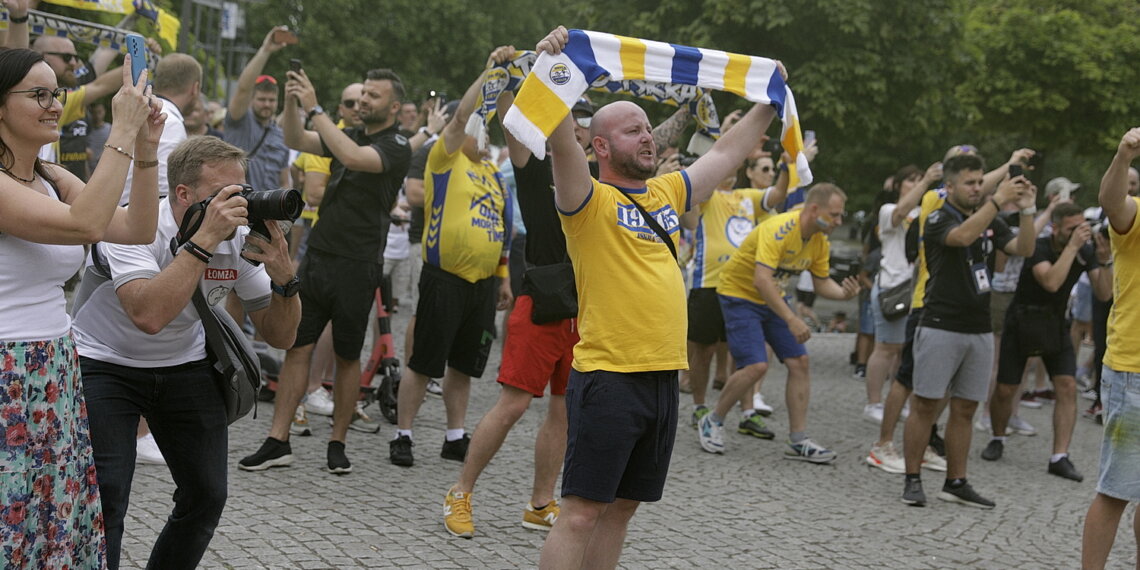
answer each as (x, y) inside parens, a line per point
(172, 135)
(32, 305)
(103, 331)
(894, 268)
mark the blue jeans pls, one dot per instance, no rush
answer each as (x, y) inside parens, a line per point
(186, 414)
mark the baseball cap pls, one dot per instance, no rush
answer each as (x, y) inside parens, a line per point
(1059, 184)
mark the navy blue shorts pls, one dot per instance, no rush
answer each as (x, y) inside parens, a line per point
(749, 325)
(620, 431)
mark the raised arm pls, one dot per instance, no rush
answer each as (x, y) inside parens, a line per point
(572, 182)
(86, 211)
(520, 154)
(453, 131)
(1052, 275)
(965, 233)
(1121, 209)
(994, 177)
(360, 158)
(908, 201)
(729, 151)
(17, 24)
(666, 134)
(243, 95)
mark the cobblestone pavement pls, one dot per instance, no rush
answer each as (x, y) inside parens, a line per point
(749, 508)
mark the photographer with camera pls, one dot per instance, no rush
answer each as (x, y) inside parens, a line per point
(1036, 327)
(143, 350)
(342, 264)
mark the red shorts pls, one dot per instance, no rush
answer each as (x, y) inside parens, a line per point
(537, 355)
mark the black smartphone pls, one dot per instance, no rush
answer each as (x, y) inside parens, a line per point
(1014, 170)
(295, 65)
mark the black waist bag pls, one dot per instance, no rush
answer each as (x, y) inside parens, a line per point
(551, 288)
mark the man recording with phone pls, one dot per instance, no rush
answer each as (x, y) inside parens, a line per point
(342, 265)
(143, 350)
(250, 123)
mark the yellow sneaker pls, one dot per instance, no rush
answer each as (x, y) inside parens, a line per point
(457, 514)
(540, 519)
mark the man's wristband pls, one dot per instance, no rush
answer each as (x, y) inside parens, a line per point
(198, 251)
(1029, 211)
(21, 20)
(426, 132)
(316, 110)
(996, 205)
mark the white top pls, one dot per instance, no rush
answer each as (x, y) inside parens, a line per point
(172, 135)
(894, 268)
(103, 330)
(32, 305)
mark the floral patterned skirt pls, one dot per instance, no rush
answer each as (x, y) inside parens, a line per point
(50, 514)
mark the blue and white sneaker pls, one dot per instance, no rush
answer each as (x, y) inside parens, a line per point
(711, 435)
(810, 451)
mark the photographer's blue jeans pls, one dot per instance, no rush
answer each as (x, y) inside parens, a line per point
(186, 414)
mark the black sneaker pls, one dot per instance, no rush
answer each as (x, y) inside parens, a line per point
(338, 461)
(1064, 468)
(913, 494)
(273, 453)
(937, 443)
(754, 426)
(965, 495)
(993, 450)
(456, 450)
(400, 451)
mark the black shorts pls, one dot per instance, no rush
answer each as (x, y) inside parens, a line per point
(1011, 359)
(706, 322)
(455, 324)
(905, 374)
(805, 297)
(341, 290)
(620, 431)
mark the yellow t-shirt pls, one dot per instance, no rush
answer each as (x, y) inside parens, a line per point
(776, 243)
(468, 214)
(312, 163)
(1124, 320)
(726, 219)
(931, 201)
(631, 296)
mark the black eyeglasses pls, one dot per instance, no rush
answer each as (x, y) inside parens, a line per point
(45, 95)
(66, 57)
(348, 103)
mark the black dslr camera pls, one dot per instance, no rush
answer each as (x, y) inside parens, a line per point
(283, 206)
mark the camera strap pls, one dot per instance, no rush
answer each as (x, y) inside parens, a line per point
(191, 221)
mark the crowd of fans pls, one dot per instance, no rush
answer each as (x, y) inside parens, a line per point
(966, 287)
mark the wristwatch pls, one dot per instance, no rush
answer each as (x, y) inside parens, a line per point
(316, 110)
(288, 289)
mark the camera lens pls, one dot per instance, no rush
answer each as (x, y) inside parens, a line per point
(285, 204)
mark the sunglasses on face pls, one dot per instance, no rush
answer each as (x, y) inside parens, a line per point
(66, 57)
(45, 95)
(348, 103)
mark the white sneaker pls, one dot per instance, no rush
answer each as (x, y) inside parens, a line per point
(433, 388)
(319, 402)
(300, 425)
(759, 405)
(933, 461)
(873, 413)
(1020, 427)
(711, 435)
(886, 458)
(1090, 395)
(146, 451)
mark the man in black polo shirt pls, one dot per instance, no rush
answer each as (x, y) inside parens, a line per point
(1036, 327)
(954, 345)
(341, 268)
